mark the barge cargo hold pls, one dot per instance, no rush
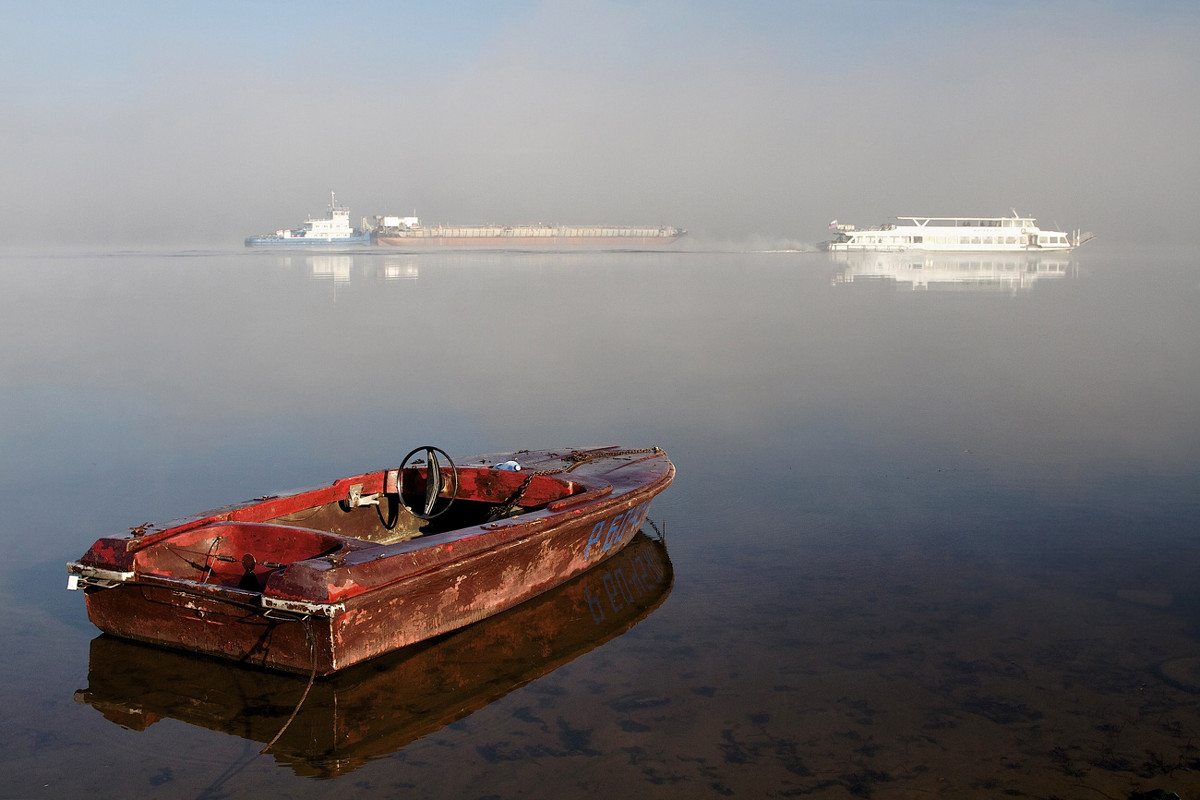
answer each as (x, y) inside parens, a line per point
(409, 233)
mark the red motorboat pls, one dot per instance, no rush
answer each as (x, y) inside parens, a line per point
(318, 580)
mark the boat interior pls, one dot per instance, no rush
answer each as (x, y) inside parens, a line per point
(244, 549)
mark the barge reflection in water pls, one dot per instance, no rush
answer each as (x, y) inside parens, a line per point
(377, 708)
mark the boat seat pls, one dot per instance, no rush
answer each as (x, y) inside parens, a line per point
(237, 553)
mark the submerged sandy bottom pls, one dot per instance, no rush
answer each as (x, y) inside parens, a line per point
(908, 676)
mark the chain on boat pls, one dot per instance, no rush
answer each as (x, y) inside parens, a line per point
(576, 459)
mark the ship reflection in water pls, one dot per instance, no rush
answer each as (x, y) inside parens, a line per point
(340, 269)
(1005, 272)
(377, 708)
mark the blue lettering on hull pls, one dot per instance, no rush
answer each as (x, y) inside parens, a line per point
(607, 533)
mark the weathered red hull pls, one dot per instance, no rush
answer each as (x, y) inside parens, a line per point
(330, 595)
(378, 708)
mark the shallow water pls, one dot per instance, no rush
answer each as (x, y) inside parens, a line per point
(933, 533)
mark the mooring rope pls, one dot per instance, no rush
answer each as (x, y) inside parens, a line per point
(662, 535)
(312, 654)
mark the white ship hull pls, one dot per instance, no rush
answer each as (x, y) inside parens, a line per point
(954, 235)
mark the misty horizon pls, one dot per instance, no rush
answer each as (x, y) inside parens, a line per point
(143, 124)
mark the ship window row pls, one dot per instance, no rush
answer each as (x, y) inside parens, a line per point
(979, 240)
(950, 240)
(1007, 222)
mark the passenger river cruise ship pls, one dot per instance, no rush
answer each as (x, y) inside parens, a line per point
(1013, 233)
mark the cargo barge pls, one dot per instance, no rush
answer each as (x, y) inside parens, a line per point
(409, 233)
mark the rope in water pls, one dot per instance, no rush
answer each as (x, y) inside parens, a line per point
(312, 653)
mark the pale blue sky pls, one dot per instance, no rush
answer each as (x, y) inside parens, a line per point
(161, 122)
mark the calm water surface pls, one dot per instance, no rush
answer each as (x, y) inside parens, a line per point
(935, 530)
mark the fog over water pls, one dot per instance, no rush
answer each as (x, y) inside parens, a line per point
(139, 123)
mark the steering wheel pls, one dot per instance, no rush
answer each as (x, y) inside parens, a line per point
(433, 481)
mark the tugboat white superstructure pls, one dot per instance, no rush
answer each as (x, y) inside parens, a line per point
(1005, 234)
(333, 229)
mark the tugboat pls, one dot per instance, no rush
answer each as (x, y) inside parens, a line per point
(334, 230)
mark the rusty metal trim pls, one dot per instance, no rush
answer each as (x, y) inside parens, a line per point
(101, 576)
(304, 607)
(581, 498)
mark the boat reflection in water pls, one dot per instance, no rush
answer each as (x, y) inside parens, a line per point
(331, 268)
(1009, 272)
(341, 269)
(374, 709)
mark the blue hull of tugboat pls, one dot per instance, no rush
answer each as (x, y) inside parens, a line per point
(301, 241)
